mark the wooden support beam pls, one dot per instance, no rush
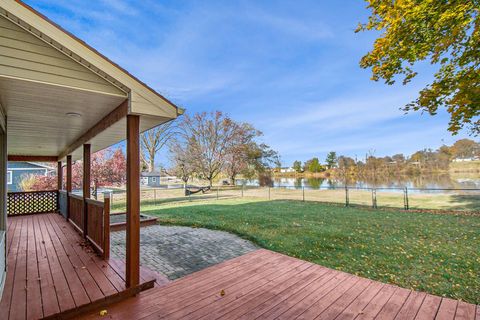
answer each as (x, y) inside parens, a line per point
(69, 174)
(107, 121)
(86, 184)
(59, 175)
(3, 185)
(32, 158)
(133, 202)
(68, 184)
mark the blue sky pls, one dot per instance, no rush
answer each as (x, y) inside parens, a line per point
(289, 67)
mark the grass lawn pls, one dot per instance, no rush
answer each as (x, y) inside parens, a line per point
(439, 254)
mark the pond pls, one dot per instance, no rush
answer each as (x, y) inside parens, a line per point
(415, 183)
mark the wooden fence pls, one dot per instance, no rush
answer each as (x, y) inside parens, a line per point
(19, 203)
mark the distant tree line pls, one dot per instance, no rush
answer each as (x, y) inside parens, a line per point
(426, 160)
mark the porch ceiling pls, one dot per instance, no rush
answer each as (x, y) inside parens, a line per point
(38, 123)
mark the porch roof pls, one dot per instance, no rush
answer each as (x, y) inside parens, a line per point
(59, 93)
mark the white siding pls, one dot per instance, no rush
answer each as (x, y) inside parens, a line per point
(24, 56)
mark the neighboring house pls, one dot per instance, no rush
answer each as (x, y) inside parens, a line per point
(16, 171)
(287, 170)
(154, 179)
(150, 179)
(466, 159)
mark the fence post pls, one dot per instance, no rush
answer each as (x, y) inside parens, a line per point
(405, 199)
(242, 189)
(303, 194)
(347, 198)
(155, 197)
(268, 192)
(106, 225)
(217, 191)
(374, 198)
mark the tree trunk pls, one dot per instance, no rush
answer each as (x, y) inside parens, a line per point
(151, 163)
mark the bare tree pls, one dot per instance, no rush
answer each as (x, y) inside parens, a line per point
(181, 161)
(208, 138)
(155, 139)
(238, 157)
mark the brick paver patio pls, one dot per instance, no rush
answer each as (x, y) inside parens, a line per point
(178, 251)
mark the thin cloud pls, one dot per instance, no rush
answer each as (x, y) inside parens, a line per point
(291, 69)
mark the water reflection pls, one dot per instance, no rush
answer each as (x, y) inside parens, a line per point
(444, 181)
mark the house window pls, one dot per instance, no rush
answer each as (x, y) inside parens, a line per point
(154, 179)
(9, 177)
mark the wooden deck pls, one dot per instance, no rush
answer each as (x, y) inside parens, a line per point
(51, 270)
(267, 285)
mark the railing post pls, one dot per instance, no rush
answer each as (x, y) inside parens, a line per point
(347, 197)
(59, 183)
(242, 188)
(217, 191)
(374, 198)
(69, 183)
(106, 225)
(155, 197)
(405, 198)
(303, 193)
(268, 192)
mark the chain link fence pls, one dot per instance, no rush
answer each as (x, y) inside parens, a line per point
(399, 198)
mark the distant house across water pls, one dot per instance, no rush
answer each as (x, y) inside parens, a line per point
(469, 159)
(287, 170)
(16, 171)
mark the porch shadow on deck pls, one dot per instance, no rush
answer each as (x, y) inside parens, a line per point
(52, 270)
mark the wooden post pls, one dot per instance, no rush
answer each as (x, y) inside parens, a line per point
(86, 185)
(69, 183)
(106, 225)
(3, 185)
(59, 183)
(133, 202)
(59, 176)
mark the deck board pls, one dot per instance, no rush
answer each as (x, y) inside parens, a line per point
(50, 269)
(34, 295)
(267, 285)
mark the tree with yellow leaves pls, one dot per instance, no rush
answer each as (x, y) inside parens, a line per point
(444, 32)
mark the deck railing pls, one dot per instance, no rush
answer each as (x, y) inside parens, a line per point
(91, 218)
(76, 211)
(29, 202)
(98, 225)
